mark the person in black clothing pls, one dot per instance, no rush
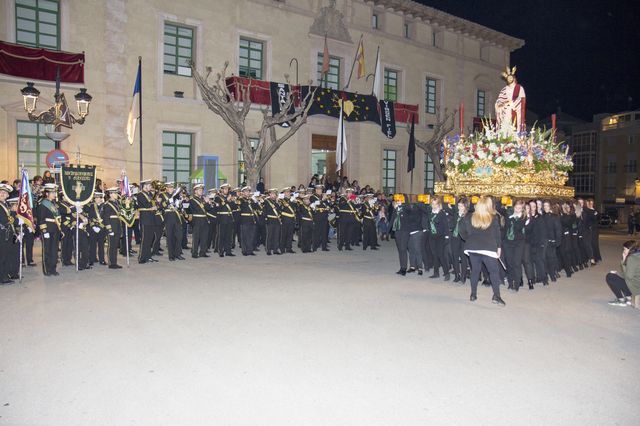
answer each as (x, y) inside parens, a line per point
(347, 220)
(460, 262)
(439, 238)
(552, 223)
(537, 240)
(173, 222)
(110, 218)
(67, 234)
(368, 212)
(481, 234)
(595, 231)
(514, 243)
(146, 211)
(248, 220)
(199, 222)
(568, 245)
(305, 217)
(271, 214)
(405, 223)
(425, 215)
(96, 231)
(6, 234)
(583, 237)
(224, 214)
(321, 209)
(49, 224)
(288, 217)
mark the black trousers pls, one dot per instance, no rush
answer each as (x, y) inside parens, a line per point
(286, 234)
(50, 252)
(402, 244)
(538, 260)
(437, 245)
(13, 263)
(83, 249)
(427, 256)
(247, 237)
(272, 237)
(513, 253)
(112, 246)
(565, 254)
(493, 268)
(618, 285)
(369, 233)
(96, 245)
(67, 245)
(126, 232)
(211, 234)
(551, 259)
(185, 234)
(585, 243)
(4, 256)
(346, 227)
(28, 241)
(595, 244)
(320, 232)
(137, 231)
(157, 236)
(199, 237)
(146, 242)
(225, 236)
(460, 261)
(306, 235)
(173, 229)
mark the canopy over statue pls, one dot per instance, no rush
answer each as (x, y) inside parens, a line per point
(511, 105)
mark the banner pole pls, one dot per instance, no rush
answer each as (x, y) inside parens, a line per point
(77, 234)
(21, 238)
(140, 118)
(126, 240)
(355, 58)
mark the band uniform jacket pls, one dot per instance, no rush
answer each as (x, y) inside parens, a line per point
(146, 204)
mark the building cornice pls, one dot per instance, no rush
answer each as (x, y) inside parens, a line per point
(438, 18)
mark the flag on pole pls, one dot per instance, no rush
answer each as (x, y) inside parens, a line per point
(134, 112)
(411, 151)
(25, 201)
(341, 143)
(360, 58)
(325, 57)
(377, 78)
(126, 189)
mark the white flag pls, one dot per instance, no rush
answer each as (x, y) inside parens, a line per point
(377, 78)
(134, 112)
(341, 143)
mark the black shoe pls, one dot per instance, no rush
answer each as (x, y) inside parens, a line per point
(419, 271)
(569, 273)
(6, 282)
(516, 287)
(473, 298)
(195, 256)
(172, 259)
(581, 266)
(290, 251)
(456, 279)
(142, 261)
(152, 260)
(115, 267)
(55, 274)
(530, 282)
(447, 276)
(553, 278)
(498, 301)
(204, 255)
(221, 255)
(374, 248)
(545, 282)
(402, 272)
(102, 262)
(277, 252)
(180, 257)
(268, 253)
(486, 283)
(510, 287)
(436, 275)
(325, 249)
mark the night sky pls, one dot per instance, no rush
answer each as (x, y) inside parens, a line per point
(580, 55)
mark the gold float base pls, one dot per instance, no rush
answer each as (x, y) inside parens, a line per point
(512, 189)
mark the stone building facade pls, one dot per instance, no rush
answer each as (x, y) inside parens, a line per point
(429, 58)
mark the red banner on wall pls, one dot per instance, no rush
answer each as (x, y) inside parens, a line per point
(40, 64)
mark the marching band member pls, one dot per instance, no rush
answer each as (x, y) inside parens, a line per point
(321, 209)
(49, 222)
(97, 229)
(146, 210)
(224, 213)
(199, 222)
(173, 221)
(247, 222)
(271, 214)
(6, 233)
(347, 220)
(305, 216)
(113, 226)
(368, 213)
(288, 218)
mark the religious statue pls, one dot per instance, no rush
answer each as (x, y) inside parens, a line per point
(511, 105)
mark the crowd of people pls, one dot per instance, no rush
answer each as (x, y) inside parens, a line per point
(526, 243)
(540, 237)
(218, 220)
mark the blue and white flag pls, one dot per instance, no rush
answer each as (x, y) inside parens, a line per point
(134, 112)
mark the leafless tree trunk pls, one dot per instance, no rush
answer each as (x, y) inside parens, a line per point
(234, 112)
(444, 124)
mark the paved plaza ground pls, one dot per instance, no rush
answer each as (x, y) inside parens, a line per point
(319, 339)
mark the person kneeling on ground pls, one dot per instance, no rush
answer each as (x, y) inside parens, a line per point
(626, 284)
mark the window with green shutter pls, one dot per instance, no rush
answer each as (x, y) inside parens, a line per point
(176, 156)
(431, 91)
(251, 61)
(332, 79)
(33, 146)
(178, 49)
(390, 85)
(429, 175)
(389, 171)
(38, 23)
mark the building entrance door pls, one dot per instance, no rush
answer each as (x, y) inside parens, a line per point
(323, 156)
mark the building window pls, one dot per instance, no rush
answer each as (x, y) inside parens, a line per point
(374, 21)
(390, 84)
(407, 30)
(429, 175)
(38, 23)
(176, 156)
(612, 167)
(631, 166)
(251, 58)
(480, 103)
(178, 49)
(242, 166)
(431, 95)
(33, 146)
(332, 79)
(389, 171)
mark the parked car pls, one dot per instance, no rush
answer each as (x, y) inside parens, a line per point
(605, 221)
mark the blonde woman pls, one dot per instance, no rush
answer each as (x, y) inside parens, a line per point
(481, 234)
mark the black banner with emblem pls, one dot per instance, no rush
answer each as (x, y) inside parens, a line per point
(356, 107)
(387, 119)
(78, 183)
(279, 94)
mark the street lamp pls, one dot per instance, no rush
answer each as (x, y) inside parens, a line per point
(59, 114)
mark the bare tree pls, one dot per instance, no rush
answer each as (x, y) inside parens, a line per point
(444, 124)
(234, 112)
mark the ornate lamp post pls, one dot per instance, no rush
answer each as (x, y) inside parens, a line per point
(59, 114)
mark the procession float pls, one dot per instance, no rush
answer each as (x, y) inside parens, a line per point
(505, 159)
